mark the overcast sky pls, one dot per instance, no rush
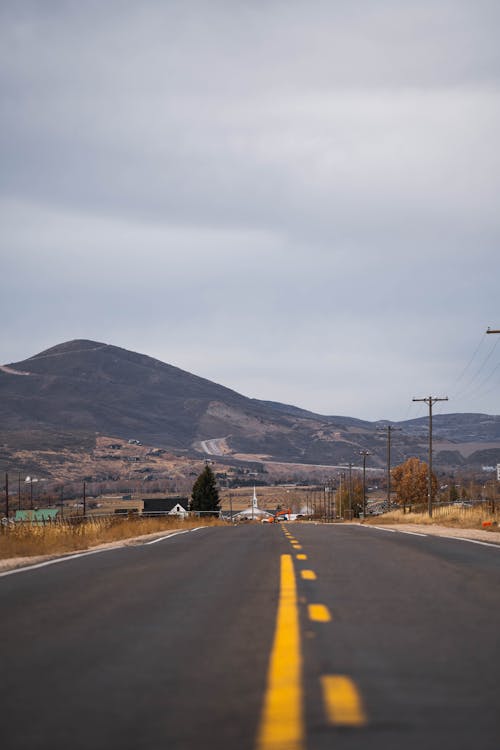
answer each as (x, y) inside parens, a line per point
(298, 200)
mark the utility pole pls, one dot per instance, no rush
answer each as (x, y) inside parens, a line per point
(231, 505)
(19, 490)
(491, 330)
(364, 453)
(390, 429)
(6, 494)
(339, 492)
(350, 490)
(31, 493)
(430, 400)
(84, 500)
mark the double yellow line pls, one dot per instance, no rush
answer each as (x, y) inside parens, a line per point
(282, 725)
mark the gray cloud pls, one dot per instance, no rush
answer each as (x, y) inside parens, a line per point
(296, 200)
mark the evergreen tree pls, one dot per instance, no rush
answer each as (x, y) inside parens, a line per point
(205, 495)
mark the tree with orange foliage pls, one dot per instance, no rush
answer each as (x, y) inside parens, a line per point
(411, 482)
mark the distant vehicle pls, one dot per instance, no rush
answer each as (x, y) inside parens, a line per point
(280, 515)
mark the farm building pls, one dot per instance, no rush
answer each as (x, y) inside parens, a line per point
(174, 506)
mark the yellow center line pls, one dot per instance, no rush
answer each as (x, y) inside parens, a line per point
(282, 723)
(319, 613)
(308, 575)
(343, 705)
(301, 557)
(297, 546)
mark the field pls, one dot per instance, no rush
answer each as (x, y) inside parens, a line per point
(26, 539)
(475, 517)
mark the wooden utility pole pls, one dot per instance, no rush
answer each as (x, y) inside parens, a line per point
(6, 494)
(340, 504)
(350, 491)
(430, 400)
(364, 454)
(84, 500)
(389, 429)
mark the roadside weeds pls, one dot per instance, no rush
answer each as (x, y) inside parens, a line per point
(26, 544)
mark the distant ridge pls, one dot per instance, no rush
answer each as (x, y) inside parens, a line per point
(81, 388)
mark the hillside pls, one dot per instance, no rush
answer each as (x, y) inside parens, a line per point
(67, 395)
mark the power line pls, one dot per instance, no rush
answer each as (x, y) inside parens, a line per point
(457, 381)
(463, 391)
(479, 389)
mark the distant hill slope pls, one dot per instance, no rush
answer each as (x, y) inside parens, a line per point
(77, 389)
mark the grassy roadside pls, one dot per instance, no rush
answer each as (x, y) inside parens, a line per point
(453, 516)
(27, 540)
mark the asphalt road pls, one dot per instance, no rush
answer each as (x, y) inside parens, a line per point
(173, 645)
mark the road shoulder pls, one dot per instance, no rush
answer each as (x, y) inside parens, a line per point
(445, 531)
(12, 563)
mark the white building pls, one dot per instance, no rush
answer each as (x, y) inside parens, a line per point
(253, 512)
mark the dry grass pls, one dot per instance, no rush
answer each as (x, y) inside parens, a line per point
(451, 515)
(26, 539)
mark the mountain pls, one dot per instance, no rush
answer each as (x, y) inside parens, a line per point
(68, 394)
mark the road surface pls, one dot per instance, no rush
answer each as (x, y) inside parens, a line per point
(258, 637)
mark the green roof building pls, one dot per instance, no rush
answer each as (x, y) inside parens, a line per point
(40, 515)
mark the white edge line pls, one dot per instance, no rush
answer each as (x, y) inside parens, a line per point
(474, 541)
(176, 533)
(66, 558)
(57, 560)
(414, 533)
(381, 528)
(168, 536)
